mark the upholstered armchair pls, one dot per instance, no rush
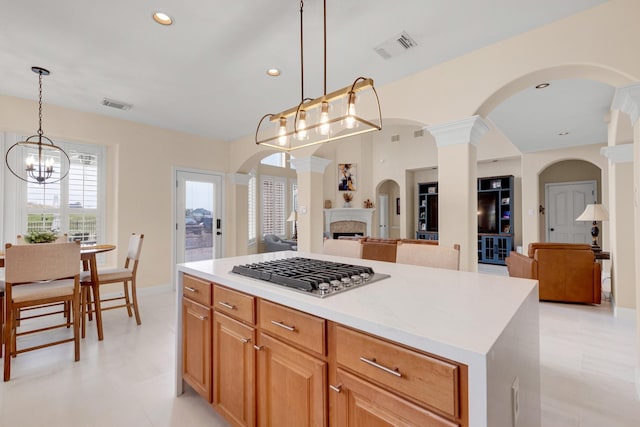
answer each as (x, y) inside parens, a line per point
(273, 243)
(566, 272)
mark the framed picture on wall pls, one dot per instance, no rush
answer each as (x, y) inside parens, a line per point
(347, 177)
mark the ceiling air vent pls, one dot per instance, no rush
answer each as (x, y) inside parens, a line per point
(395, 45)
(116, 104)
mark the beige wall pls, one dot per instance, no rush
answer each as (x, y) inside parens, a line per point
(139, 174)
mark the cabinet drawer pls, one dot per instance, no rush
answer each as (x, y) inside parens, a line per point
(235, 304)
(196, 290)
(428, 380)
(292, 325)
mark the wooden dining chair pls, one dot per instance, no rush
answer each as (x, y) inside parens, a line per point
(91, 300)
(428, 255)
(39, 275)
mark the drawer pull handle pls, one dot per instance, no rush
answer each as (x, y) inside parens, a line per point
(283, 326)
(372, 362)
(258, 347)
(336, 388)
(245, 340)
(202, 317)
(195, 291)
(227, 305)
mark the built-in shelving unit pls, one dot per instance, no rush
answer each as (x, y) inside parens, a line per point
(495, 217)
(427, 211)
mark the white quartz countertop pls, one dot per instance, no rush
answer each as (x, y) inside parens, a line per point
(458, 315)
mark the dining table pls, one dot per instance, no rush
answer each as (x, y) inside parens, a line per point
(88, 257)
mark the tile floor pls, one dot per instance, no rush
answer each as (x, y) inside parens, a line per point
(587, 374)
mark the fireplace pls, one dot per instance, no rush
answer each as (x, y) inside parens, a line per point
(348, 221)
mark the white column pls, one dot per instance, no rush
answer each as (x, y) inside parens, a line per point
(457, 186)
(310, 172)
(237, 230)
(627, 99)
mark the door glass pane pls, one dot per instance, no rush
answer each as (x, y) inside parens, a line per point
(199, 227)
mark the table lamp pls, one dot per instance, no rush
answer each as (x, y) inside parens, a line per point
(594, 213)
(294, 217)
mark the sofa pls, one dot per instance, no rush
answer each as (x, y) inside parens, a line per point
(566, 272)
(273, 243)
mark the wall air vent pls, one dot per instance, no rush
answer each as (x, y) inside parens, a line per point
(395, 138)
(418, 133)
(395, 45)
(116, 104)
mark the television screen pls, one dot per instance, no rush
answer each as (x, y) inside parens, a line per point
(487, 213)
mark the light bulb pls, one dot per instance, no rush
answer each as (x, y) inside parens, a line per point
(301, 131)
(30, 161)
(350, 121)
(49, 164)
(324, 119)
(282, 131)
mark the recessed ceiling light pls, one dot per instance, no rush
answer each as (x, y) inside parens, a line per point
(162, 18)
(563, 133)
(542, 85)
(273, 72)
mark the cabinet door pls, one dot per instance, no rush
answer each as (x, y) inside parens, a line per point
(196, 347)
(291, 386)
(233, 370)
(360, 403)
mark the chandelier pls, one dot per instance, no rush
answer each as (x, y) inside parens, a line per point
(327, 118)
(41, 155)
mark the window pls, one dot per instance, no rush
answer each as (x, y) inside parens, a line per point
(72, 206)
(294, 203)
(273, 205)
(252, 209)
(276, 159)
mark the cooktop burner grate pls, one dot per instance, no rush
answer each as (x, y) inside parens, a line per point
(317, 277)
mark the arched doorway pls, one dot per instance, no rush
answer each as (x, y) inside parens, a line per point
(566, 187)
(388, 209)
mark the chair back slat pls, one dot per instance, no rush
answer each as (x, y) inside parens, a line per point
(30, 263)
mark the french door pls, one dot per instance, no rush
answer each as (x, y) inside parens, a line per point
(198, 213)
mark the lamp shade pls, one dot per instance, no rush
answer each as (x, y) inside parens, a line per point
(293, 216)
(594, 212)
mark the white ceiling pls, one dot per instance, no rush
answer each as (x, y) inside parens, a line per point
(205, 74)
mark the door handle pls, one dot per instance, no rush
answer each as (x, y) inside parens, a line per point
(552, 229)
(218, 233)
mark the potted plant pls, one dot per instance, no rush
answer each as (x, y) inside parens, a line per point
(41, 236)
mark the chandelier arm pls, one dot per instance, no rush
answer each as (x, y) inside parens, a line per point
(379, 110)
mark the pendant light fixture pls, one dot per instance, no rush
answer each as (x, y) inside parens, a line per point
(37, 159)
(327, 118)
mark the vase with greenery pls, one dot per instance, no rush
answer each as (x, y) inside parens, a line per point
(41, 236)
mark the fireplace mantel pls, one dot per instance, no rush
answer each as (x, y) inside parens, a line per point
(348, 214)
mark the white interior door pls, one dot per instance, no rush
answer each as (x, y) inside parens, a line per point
(198, 216)
(564, 203)
(383, 216)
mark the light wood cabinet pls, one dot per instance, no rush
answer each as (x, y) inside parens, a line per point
(233, 370)
(265, 364)
(292, 386)
(196, 347)
(361, 403)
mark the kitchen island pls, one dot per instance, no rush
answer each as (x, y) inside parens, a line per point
(482, 328)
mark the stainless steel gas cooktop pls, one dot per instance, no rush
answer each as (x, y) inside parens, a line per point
(311, 276)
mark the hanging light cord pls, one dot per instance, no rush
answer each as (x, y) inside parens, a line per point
(325, 45)
(40, 132)
(301, 55)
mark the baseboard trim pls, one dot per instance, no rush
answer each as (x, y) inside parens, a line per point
(623, 313)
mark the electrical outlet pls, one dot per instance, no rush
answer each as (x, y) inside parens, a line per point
(515, 401)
